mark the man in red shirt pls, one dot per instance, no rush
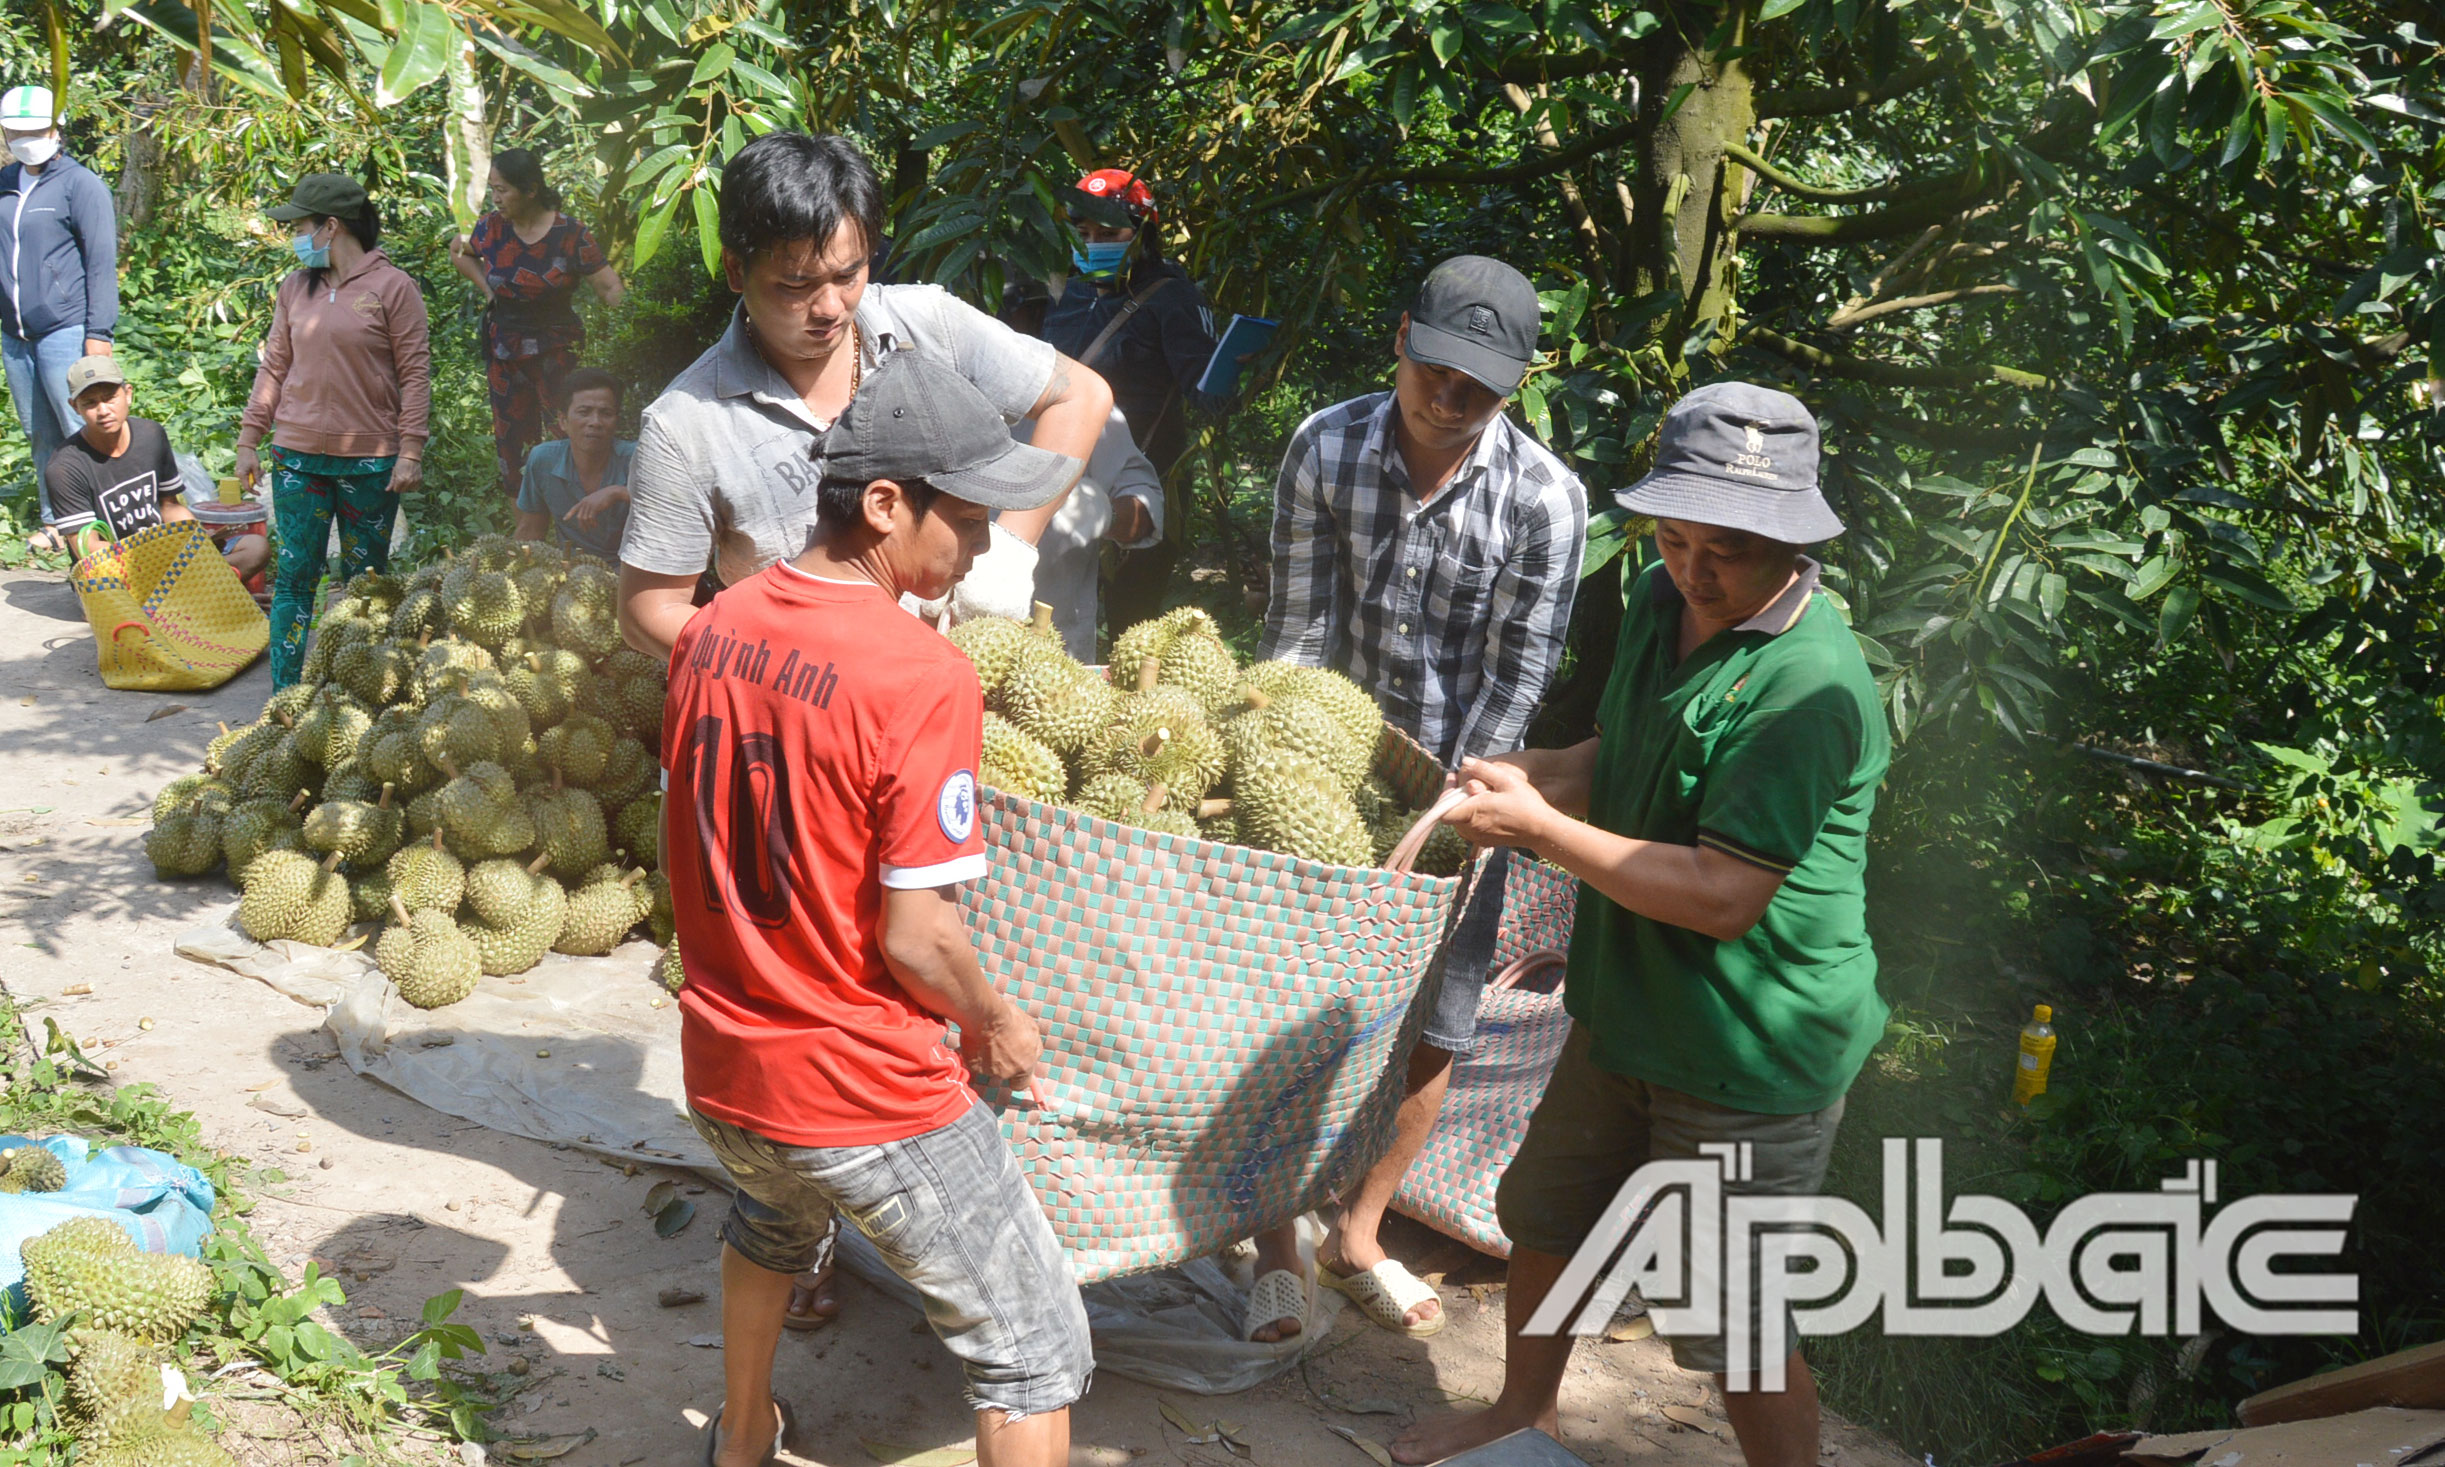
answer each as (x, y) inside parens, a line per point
(822, 747)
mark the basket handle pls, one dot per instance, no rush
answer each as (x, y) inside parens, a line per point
(1405, 855)
(123, 626)
(1520, 967)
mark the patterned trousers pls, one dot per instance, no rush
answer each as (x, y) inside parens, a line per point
(522, 392)
(308, 490)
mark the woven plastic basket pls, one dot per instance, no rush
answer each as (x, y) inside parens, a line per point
(1226, 1028)
(167, 612)
(1520, 1030)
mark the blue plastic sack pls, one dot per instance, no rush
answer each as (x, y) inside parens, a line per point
(165, 1205)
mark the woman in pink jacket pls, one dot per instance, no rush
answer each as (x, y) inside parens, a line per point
(343, 394)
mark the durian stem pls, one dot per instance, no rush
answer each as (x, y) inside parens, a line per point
(1257, 700)
(437, 845)
(1044, 616)
(1150, 669)
(385, 802)
(299, 803)
(633, 877)
(1208, 809)
(399, 910)
(224, 725)
(535, 867)
(1152, 744)
(1155, 796)
(331, 863)
(444, 764)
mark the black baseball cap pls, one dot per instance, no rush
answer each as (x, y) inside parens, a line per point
(913, 419)
(1741, 456)
(319, 194)
(1478, 316)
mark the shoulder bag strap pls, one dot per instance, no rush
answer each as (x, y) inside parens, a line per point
(1136, 303)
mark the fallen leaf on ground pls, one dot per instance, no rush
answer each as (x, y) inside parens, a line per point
(704, 1342)
(75, 990)
(276, 1106)
(1372, 1448)
(128, 820)
(1690, 1417)
(1173, 1414)
(902, 1456)
(547, 1448)
(158, 714)
(658, 1196)
(674, 1216)
(266, 1085)
(673, 1298)
(1631, 1329)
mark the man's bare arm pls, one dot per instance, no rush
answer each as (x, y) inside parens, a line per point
(926, 947)
(654, 609)
(1069, 417)
(533, 524)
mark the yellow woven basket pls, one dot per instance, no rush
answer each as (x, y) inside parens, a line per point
(167, 612)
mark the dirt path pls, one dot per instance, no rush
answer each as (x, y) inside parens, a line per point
(561, 1266)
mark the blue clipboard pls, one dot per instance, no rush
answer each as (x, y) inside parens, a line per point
(1245, 336)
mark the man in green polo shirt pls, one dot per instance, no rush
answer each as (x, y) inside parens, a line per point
(1721, 980)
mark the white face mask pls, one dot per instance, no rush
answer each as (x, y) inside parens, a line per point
(36, 151)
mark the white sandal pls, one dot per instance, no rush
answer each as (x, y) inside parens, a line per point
(1277, 1296)
(1386, 1293)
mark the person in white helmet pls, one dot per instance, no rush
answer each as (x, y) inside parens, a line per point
(59, 277)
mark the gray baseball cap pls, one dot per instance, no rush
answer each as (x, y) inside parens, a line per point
(1741, 456)
(1478, 316)
(913, 419)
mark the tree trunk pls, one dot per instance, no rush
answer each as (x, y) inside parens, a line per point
(139, 190)
(1681, 238)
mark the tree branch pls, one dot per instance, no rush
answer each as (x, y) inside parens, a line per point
(1882, 193)
(1527, 71)
(1888, 374)
(1583, 223)
(1825, 101)
(1860, 315)
(1834, 229)
(1540, 165)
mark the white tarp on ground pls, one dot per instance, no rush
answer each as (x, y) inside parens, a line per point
(585, 1052)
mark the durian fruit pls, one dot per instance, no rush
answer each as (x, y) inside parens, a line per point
(579, 747)
(257, 826)
(90, 1265)
(439, 662)
(358, 833)
(1189, 648)
(489, 691)
(641, 688)
(350, 780)
(1020, 765)
(423, 816)
(518, 914)
(544, 698)
(1445, 853)
(290, 703)
(427, 956)
(668, 970)
(374, 673)
(185, 842)
(600, 913)
(279, 770)
(481, 813)
(418, 612)
(158, 1441)
(1155, 811)
(658, 917)
(288, 895)
(638, 829)
(1109, 796)
(427, 875)
(184, 791)
(112, 1380)
(994, 645)
(393, 752)
(1185, 755)
(454, 729)
(570, 826)
(328, 731)
(1348, 703)
(584, 618)
(234, 753)
(627, 774)
(369, 896)
(1056, 701)
(490, 612)
(1301, 727)
(32, 1169)
(1291, 805)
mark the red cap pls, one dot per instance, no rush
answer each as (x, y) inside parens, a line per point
(1124, 186)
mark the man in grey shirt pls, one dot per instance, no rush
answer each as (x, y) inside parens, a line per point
(729, 457)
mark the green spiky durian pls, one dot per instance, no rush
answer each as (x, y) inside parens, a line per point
(112, 1378)
(492, 612)
(423, 817)
(600, 913)
(257, 826)
(1295, 807)
(994, 645)
(638, 829)
(391, 750)
(1189, 652)
(669, 971)
(545, 698)
(579, 747)
(1057, 702)
(357, 832)
(378, 590)
(350, 780)
(489, 691)
(569, 824)
(89, 1265)
(480, 811)
(425, 954)
(157, 1441)
(440, 659)
(328, 730)
(658, 916)
(1348, 703)
(289, 895)
(234, 754)
(418, 612)
(1444, 854)
(279, 770)
(528, 912)
(1185, 756)
(183, 791)
(1020, 765)
(290, 703)
(32, 1169)
(627, 774)
(369, 896)
(1109, 796)
(185, 842)
(454, 730)
(425, 874)
(583, 615)
(374, 673)
(1302, 728)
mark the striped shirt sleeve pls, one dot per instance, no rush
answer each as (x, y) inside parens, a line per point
(1303, 609)
(1527, 618)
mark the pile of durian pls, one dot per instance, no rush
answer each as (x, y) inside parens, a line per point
(127, 1402)
(466, 758)
(1179, 737)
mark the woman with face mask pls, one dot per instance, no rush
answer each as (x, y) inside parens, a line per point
(1139, 320)
(59, 277)
(343, 396)
(528, 257)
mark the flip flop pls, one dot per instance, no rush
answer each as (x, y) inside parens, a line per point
(1386, 1293)
(1280, 1294)
(811, 1321)
(786, 1440)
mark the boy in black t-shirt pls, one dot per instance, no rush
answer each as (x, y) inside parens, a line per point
(119, 476)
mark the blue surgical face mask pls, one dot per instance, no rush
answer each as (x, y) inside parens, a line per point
(310, 254)
(1101, 258)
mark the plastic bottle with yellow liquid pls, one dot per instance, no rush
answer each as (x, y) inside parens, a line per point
(2037, 1056)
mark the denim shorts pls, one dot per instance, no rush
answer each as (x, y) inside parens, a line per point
(950, 1213)
(1468, 961)
(1594, 1128)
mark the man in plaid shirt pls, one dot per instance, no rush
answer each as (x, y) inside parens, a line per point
(1426, 546)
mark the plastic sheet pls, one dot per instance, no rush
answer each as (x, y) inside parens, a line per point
(165, 1205)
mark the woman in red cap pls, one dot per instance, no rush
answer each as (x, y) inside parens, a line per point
(1139, 320)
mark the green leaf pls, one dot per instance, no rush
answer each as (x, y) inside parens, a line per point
(653, 226)
(1774, 9)
(427, 35)
(2181, 604)
(28, 1352)
(442, 1306)
(708, 227)
(714, 64)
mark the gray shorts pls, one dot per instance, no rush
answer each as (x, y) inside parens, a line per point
(1594, 1128)
(1468, 961)
(950, 1213)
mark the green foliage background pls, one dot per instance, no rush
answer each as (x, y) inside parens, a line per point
(2121, 317)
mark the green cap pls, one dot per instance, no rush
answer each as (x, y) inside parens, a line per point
(318, 194)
